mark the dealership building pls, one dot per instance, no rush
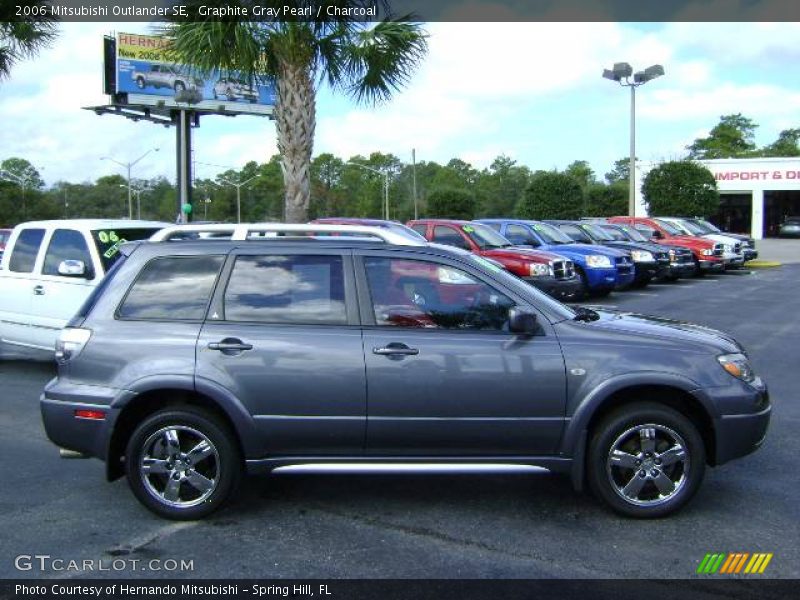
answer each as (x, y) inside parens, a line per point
(757, 194)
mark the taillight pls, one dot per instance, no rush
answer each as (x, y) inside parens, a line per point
(70, 342)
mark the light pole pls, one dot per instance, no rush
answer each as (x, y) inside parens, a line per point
(623, 71)
(24, 182)
(129, 166)
(138, 191)
(385, 185)
(239, 186)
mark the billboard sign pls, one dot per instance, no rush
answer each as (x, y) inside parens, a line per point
(145, 72)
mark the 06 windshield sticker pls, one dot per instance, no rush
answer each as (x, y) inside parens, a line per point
(110, 237)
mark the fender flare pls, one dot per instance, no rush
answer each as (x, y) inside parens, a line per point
(242, 421)
(574, 440)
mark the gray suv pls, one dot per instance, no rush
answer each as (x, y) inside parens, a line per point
(213, 350)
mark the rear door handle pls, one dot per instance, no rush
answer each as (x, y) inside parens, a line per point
(230, 346)
(38, 290)
(395, 349)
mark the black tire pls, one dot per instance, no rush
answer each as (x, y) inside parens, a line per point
(179, 87)
(639, 423)
(583, 292)
(140, 83)
(224, 457)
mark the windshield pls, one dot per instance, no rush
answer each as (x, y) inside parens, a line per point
(108, 242)
(705, 226)
(693, 228)
(614, 233)
(550, 234)
(485, 237)
(596, 232)
(668, 227)
(633, 234)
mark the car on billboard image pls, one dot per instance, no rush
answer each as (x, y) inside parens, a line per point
(167, 76)
(234, 89)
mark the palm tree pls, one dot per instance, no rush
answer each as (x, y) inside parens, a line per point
(367, 61)
(23, 37)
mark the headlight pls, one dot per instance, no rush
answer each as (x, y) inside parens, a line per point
(598, 262)
(738, 366)
(539, 269)
(642, 256)
(708, 252)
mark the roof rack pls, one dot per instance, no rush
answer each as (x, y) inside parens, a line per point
(266, 231)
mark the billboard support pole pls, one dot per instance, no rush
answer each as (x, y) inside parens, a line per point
(184, 163)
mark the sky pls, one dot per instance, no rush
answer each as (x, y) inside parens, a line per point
(530, 91)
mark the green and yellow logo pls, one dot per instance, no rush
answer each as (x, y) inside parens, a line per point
(734, 562)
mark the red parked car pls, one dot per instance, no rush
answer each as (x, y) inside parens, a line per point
(707, 253)
(549, 272)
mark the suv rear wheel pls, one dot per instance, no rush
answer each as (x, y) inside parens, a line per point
(646, 460)
(183, 463)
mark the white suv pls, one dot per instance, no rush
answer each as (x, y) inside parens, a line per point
(49, 268)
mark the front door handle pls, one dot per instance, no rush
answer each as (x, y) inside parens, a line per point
(395, 349)
(38, 290)
(230, 346)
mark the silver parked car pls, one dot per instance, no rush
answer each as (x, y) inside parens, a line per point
(235, 89)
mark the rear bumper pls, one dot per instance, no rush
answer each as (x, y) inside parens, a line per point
(561, 289)
(59, 402)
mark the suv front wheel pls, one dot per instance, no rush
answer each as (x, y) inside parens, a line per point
(183, 463)
(646, 460)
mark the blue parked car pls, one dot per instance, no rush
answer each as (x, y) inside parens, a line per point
(601, 269)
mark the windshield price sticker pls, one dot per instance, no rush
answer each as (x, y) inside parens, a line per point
(107, 237)
(115, 248)
(468, 228)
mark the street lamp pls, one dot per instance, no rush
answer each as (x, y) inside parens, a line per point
(239, 186)
(385, 185)
(138, 191)
(623, 71)
(129, 166)
(24, 182)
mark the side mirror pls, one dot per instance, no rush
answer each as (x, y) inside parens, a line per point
(657, 234)
(72, 268)
(521, 321)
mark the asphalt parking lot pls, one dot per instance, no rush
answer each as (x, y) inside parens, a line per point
(447, 525)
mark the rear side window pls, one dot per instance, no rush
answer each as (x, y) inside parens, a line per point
(298, 289)
(175, 288)
(66, 244)
(23, 256)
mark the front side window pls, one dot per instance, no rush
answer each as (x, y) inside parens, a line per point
(520, 236)
(576, 234)
(423, 294)
(668, 227)
(299, 289)
(67, 244)
(614, 233)
(174, 288)
(443, 234)
(646, 230)
(420, 229)
(23, 256)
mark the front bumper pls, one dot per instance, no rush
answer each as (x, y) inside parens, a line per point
(711, 266)
(684, 269)
(750, 254)
(560, 289)
(742, 427)
(733, 261)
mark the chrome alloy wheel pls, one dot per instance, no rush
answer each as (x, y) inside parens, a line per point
(648, 464)
(179, 466)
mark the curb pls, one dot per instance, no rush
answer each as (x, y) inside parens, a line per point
(763, 264)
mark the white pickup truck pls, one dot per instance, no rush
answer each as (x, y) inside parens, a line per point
(49, 268)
